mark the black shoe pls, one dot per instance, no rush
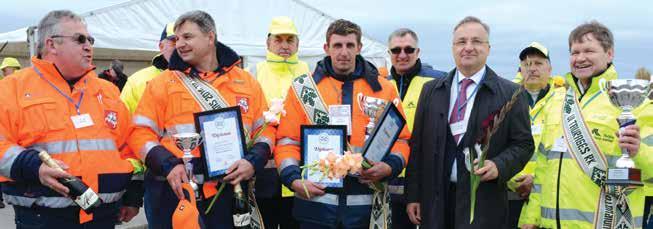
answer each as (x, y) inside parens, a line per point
(2, 205)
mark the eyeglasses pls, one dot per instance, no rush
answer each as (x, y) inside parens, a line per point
(407, 50)
(79, 38)
(474, 42)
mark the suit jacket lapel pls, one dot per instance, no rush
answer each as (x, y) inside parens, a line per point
(483, 105)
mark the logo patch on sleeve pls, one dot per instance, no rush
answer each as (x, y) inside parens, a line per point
(111, 119)
(243, 102)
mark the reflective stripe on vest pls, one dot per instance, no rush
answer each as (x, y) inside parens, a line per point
(57, 202)
(287, 141)
(286, 163)
(266, 140)
(8, 159)
(567, 214)
(396, 189)
(332, 199)
(140, 120)
(537, 188)
(554, 155)
(147, 147)
(574, 214)
(73, 146)
(180, 128)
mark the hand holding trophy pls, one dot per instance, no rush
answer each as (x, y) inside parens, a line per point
(187, 142)
(626, 94)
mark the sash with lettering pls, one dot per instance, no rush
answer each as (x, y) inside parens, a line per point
(306, 91)
(209, 98)
(613, 210)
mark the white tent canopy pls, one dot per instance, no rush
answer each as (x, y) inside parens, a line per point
(137, 25)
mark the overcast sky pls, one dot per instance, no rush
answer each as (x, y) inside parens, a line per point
(513, 24)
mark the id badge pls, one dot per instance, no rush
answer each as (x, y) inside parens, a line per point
(82, 120)
(458, 128)
(536, 129)
(559, 145)
(340, 115)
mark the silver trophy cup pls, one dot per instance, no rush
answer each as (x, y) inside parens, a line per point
(187, 142)
(372, 107)
(626, 94)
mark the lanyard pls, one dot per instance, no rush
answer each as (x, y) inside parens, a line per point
(460, 106)
(542, 107)
(78, 104)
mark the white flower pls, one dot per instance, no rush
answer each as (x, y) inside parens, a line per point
(478, 150)
(271, 117)
(468, 160)
(276, 106)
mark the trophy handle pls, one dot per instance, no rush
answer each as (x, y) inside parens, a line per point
(602, 85)
(396, 102)
(361, 100)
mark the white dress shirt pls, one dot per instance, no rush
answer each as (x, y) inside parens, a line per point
(471, 95)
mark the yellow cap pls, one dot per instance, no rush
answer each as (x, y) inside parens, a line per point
(534, 47)
(282, 25)
(168, 31)
(10, 62)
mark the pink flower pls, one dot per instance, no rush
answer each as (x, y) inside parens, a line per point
(340, 169)
(356, 163)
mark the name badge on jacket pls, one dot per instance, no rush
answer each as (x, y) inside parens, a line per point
(82, 120)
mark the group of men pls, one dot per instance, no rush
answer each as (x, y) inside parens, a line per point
(531, 177)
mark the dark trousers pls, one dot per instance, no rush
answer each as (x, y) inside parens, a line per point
(160, 203)
(277, 212)
(648, 208)
(304, 225)
(514, 211)
(400, 218)
(450, 215)
(33, 218)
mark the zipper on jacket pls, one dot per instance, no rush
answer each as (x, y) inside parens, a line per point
(558, 192)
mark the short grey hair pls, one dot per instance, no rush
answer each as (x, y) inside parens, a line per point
(201, 18)
(402, 32)
(472, 19)
(49, 26)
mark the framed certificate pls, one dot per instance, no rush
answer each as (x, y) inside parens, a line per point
(322, 139)
(385, 134)
(224, 141)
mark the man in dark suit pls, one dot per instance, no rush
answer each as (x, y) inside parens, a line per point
(448, 120)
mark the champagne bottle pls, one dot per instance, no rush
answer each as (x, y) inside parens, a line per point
(79, 192)
(240, 209)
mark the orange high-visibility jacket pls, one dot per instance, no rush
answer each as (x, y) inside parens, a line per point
(287, 153)
(34, 115)
(167, 108)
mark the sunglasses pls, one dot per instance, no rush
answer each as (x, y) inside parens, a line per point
(407, 50)
(79, 38)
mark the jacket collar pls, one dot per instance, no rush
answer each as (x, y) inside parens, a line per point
(542, 94)
(490, 81)
(279, 63)
(609, 74)
(227, 59)
(50, 72)
(364, 69)
(412, 72)
(160, 62)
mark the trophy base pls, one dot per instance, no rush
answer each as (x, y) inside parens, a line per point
(624, 177)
